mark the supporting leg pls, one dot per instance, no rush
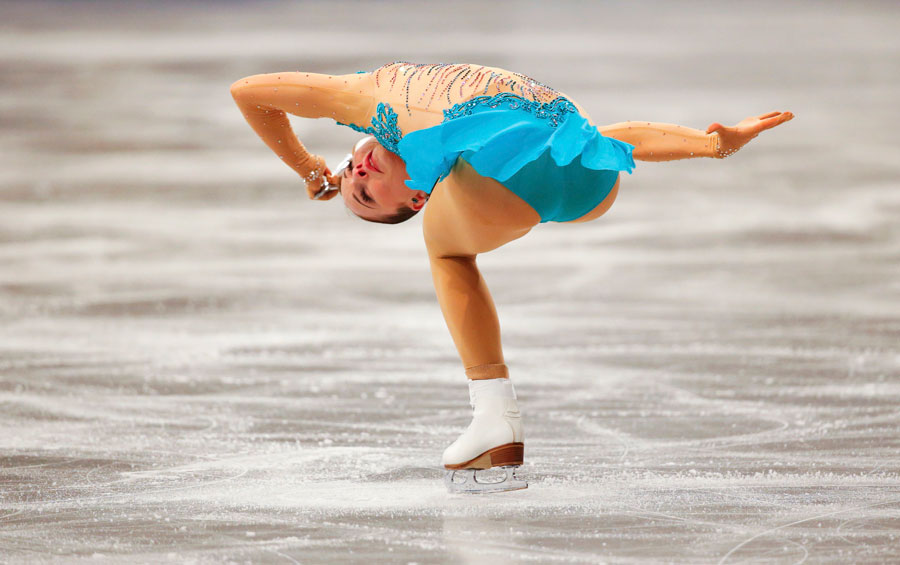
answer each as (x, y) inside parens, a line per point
(469, 312)
(467, 215)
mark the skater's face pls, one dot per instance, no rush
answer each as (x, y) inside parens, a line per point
(372, 186)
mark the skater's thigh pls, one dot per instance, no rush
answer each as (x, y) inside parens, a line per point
(468, 214)
(601, 208)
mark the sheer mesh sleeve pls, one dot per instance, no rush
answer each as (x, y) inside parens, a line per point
(266, 99)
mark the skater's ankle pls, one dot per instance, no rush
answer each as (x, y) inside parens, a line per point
(487, 371)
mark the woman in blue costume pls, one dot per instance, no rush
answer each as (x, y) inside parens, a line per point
(493, 153)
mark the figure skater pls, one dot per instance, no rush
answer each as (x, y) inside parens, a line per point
(494, 153)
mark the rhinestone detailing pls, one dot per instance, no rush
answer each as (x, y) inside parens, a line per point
(384, 127)
(722, 153)
(446, 80)
(554, 111)
(315, 173)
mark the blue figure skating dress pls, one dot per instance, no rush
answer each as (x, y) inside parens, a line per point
(547, 152)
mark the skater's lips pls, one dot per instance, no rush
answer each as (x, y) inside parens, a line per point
(369, 162)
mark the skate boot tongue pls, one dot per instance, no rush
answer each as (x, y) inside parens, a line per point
(502, 388)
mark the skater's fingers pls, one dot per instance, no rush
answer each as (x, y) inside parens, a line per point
(714, 127)
(769, 115)
(775, 120)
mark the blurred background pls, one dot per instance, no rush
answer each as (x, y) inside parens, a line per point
(197, 363)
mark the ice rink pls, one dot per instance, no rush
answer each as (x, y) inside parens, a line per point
(199, 365)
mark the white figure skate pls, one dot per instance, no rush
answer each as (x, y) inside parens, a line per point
(494, 438)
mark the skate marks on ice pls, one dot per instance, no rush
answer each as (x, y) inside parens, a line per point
(304, 475)
(253, 450)
(733, 553)
(774, 446)
(713, 491)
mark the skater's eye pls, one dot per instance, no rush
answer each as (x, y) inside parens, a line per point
(366, 196)
(349, 169)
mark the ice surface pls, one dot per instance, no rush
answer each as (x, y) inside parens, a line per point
(197, 364)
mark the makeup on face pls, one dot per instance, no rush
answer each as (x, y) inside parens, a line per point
(362, 197)
(369, 160)
(370, 179)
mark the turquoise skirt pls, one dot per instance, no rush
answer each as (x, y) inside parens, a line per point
(546, 153)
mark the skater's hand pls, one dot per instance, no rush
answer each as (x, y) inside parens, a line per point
(733, 138)
(319, 180)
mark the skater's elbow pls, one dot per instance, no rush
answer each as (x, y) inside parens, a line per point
(240, 88)
(243, 90)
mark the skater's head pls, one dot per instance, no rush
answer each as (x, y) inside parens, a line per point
(373, 187)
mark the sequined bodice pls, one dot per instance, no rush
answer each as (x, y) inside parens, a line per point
(427, 94)
(441, 85)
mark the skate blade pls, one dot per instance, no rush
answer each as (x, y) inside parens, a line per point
(465, 481)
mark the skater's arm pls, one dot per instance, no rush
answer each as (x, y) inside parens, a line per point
(663, 142)
(667, 142)
(266, 99)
